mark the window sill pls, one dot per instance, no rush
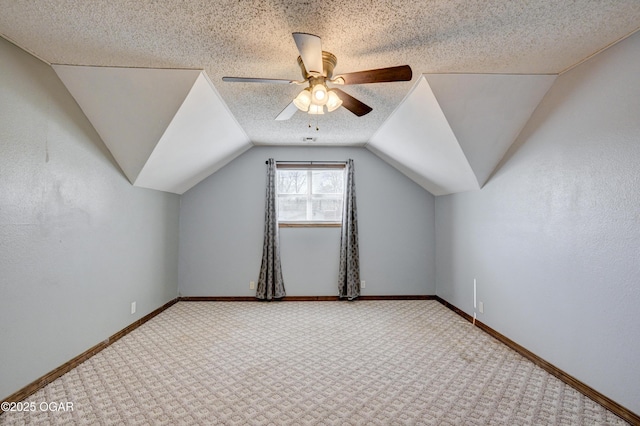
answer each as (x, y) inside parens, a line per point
(309, 224)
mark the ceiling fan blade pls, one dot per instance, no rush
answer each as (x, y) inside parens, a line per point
(381, 75)
(352, 104)
(310, 48)
(257, 80)
(287, 112)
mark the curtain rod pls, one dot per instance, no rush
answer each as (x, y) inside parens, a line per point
(309, 162)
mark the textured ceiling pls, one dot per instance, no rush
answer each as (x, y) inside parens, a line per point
(253, 39)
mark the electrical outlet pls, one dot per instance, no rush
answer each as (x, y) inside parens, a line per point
(363, 284)
(252, 285)
(481, 307)
(133, 308)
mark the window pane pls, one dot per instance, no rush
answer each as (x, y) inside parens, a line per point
(292, 181)
(327, 181)
(292, 208)
(327, 208)
(310, 194)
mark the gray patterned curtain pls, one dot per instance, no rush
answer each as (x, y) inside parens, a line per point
(349, 275)
(270, 284)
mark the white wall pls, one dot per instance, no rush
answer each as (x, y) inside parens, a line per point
(222, 220)
(78, 243)
(554, 237)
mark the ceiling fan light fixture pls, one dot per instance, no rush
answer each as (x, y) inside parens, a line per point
(319, 94)
(316, 109)
(333, 101)
(317, 67)
(303, 100)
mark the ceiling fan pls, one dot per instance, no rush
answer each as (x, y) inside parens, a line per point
(317, 69)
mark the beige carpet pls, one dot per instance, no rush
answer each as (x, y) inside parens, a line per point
(311, 363)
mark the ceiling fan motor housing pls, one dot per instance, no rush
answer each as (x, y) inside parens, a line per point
(329, 62)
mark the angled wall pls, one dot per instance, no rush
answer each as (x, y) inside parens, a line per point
(553, 238)
(78, 243)
(451, 131)
(486, 112)
(222, 223)
(418, 140)
(167, 128)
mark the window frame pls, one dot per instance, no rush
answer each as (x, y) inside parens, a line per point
(309, 167)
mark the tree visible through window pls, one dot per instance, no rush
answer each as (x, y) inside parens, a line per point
(309, 195)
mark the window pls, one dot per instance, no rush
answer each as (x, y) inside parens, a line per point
(310, 194)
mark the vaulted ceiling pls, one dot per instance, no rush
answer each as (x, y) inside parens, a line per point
(148, 75)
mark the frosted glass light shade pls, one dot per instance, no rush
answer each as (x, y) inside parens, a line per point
(303, 100)
(333, 101)
(319, 94)
(316, 109)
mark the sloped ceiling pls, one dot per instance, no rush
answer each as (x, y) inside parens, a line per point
(167, 129)
(452, 130)
(253, 39)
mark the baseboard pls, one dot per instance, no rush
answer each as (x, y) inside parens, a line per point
(38, 384)
(586, 390)
(217, 299)
(300, 298)
(399, 297)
